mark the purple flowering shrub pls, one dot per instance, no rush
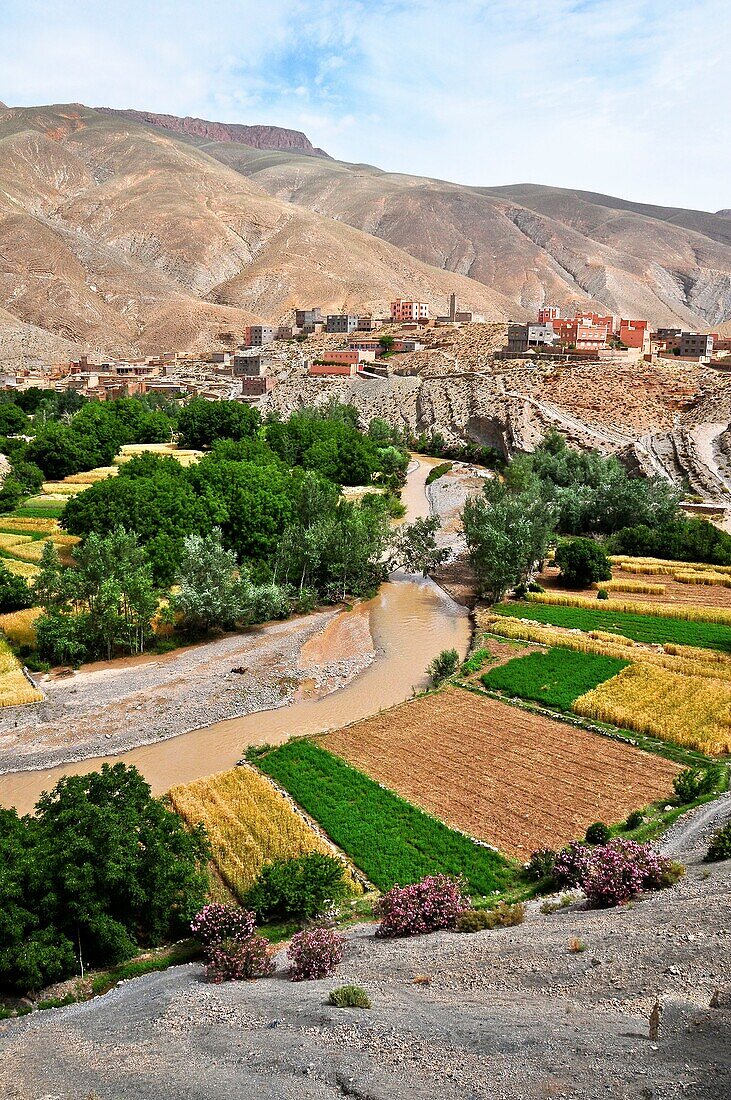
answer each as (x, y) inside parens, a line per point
(314, 954)
(615, 872)
(239, 960)
(435, 902)
(572, 864)
(231, 948)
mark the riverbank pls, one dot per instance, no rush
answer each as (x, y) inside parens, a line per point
(119, 705)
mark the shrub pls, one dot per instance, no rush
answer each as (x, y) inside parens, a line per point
(435, 902)
(602, 594)
(215, 924)
(302, 888)
(571, 864)
(720, 846)
(623, 868)
(576, 946)
(534, 586)
(694, 783)
(473, 920)
(349, 996)
(444, 665)
(634, 820)
(15, 595)
(582, 562)
(503, 915)
(598, 833)
(234, 960)
(541, 865)
(314, 954)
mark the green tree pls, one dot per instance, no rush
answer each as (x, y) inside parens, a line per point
(14, 592)
(201, 422)
(415, 546)
(507, 534)
(582, 562)
(212, 594)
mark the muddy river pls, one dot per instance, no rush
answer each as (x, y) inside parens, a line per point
(411, 620)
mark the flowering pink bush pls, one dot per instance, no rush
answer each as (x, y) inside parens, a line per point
(314, 953)
(435, 902)
(621, 869)
(239, 960)
(216, 923)
(572, 864)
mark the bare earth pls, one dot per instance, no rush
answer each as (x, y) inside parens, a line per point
(108, 707)
(506, 1015)
(493, 785)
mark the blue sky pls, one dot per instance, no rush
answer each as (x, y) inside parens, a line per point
(628, 97)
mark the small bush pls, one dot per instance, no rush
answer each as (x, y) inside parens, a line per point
(443, 666)
(576, 946)
(598, 834)
(634, 820)
(623, 868)
(571, 864)
(349, 996)
(694, 783)
(314, 954)
(476, 661)
(301, 889)
(602, 594)
(215, 924)
(541, 865)
(503, 915)
(520, 591)
(534, 586)
(720, 846)
(435, 902)
(234, 960)
(473, 920)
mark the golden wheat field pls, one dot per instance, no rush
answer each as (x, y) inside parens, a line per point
(16, 539)
(90, 477)
(628, 563)
(690, 710)
(639, 587)
(249, 823)
(19, 626)
(15, 688)
(30, 524)
(21, 568)
(706, 576)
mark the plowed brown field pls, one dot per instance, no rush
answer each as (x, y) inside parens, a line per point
(511, 778)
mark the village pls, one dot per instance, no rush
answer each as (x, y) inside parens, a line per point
(350, 345)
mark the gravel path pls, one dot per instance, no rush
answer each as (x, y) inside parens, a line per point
(505, 1015)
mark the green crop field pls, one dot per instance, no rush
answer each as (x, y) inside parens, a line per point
(641, 628)
(556, 677)
(388, 838)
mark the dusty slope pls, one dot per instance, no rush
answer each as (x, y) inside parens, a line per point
(507, 1015)
(533, 243)
(122, 237)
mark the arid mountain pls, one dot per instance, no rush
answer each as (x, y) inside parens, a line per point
(121, 237)
(535, 244)
(260, 137)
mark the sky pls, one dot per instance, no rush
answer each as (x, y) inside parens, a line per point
(624, 97)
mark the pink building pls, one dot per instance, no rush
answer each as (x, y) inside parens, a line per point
(634, 334)
(401, 310)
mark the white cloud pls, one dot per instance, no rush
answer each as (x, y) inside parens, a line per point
(621, 96)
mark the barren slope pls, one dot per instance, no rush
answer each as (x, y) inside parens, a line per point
(122, 237)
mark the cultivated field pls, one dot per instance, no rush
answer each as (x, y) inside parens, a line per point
(15, 689)
(388, 838)
(652, 580)
(487, 768)
(249, 823)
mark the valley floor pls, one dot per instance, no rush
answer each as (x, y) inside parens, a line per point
(506, 1015)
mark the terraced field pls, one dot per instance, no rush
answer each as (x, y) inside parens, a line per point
(486, 767)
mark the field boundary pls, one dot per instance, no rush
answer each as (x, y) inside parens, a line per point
(356, 872)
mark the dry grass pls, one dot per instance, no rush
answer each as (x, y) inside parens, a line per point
(33, 551)
(249, 823)
(691, 710)
(35, 525)
(638, 587)
(485, 767)
(90, 477)
(687, 612)
(61, 488)
(15, 689)
(6, 540)
(21, 568)
(183, 456)
(19, 626)
(703, 577)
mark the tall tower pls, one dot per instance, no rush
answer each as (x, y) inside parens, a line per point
(452, 307)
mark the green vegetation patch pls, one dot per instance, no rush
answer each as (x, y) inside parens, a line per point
(388, 838)
(556, 677)
(641, 628)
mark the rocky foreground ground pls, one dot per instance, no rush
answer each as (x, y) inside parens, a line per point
(511, 1014)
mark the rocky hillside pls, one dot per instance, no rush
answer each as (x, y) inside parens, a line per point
(260, 137)
(121, 237)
